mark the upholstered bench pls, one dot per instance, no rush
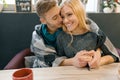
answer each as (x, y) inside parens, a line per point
(18, 61)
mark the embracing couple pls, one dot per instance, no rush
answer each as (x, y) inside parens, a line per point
(67, 37)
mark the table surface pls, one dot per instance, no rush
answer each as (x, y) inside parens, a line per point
(106, 72)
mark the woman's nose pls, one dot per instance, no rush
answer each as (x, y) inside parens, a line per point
(65, 20)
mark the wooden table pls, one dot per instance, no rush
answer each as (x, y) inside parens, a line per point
(107, 72)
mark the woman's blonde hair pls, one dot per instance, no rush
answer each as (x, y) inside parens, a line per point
(78, 9)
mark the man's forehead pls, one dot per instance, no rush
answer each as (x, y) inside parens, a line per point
(53, 11)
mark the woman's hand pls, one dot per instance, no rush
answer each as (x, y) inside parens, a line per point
(82, 58)
(94, 63)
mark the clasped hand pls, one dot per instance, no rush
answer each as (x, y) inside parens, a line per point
(82, 58)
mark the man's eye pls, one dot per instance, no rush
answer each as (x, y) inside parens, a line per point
(54, 18)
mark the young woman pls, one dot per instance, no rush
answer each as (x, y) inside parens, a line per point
(78, 43)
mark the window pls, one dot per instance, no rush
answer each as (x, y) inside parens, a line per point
(11, 5)
(10, 1)
(91, 6)
(13, 1)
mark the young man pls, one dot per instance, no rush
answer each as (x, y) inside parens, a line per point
(44, 37)
(43, 43)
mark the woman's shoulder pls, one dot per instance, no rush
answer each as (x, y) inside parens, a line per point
(90, 33)
(62, 33)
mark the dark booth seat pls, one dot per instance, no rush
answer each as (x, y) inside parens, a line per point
(18, 61)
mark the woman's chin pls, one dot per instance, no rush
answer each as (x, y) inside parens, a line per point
(69, 29)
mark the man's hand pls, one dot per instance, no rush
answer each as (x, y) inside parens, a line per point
(82, 58)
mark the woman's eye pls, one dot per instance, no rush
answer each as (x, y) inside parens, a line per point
(69, 14)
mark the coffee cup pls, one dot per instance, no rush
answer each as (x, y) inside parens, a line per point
(23, 74)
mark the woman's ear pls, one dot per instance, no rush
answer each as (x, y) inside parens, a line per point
(42, 20)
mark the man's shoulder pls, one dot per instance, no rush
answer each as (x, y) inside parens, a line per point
(38, 29)
(38, 26)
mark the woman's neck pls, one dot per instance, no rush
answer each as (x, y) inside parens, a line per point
(79, 31)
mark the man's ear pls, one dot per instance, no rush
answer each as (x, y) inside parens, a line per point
(42, 20)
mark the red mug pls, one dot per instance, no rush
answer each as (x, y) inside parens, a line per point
(23, 74)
